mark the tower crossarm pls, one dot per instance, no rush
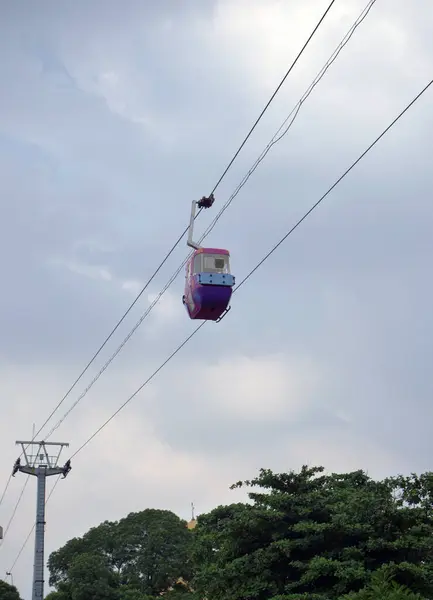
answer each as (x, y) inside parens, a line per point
(48, 470)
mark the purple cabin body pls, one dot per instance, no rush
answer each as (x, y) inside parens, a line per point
(208, 283)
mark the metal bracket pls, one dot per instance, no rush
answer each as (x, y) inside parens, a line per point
(223, 315)
(67, 467)
(203, 203)
(16, 467)
(206, 202)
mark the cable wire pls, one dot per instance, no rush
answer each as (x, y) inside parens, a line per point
(8, 482)
(17, 502)
(117, 351)
(14, 510)
(32, 529)
(286, 125)
(173, 277)
(289, 120)
(148, 380)
(184, 232)
(113, 331)
(242, 282)
(275, 93)
(334, 185)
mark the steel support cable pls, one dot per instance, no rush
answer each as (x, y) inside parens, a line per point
(208, 230)
(186, 229)
(244, 280)
(17, 503)
(281, 132)
(334, 185)
(117, 351)
(275, 93)
(273, 141)
(32, 529)
(289, 120)
(20, 496)
(113, 331)
(5, 489)
(101, 347)
(330, 189)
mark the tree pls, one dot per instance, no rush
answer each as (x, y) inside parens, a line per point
(89, 576)
(8, 592)
(383, 587)
(144, 553)
(180, 591)
(128, 593)
(316, 537)
(100, 540)
(157, 550)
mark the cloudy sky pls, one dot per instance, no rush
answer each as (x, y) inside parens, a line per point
(113, 117)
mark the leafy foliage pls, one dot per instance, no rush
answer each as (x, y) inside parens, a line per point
(137, 557)
(302, 536)
(8, 592)
(383, 587)
(317, 537)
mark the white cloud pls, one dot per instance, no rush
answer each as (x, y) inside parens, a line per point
(263, 40)
(118, 92)
(259, 388)
(133, 286)
(167, 311)
(98, 272)
(93, 246)
(332, 331)
(344, 451)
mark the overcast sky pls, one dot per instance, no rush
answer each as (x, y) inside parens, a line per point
(113, 117)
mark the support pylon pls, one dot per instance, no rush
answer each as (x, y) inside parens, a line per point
(41, 465)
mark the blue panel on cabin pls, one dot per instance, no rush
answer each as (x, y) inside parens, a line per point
(215, 279)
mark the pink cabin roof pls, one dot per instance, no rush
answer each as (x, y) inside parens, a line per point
(211, 251)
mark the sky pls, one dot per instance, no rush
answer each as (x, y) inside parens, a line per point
(113, 118)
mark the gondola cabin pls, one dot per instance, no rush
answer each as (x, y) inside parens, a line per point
(208, 283)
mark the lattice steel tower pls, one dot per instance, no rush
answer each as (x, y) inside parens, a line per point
(42, 465)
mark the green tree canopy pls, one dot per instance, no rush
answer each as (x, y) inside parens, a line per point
(146, 552)
(89, 576)
(316, 537)
(302, 536)
(383, 587)
(8, 592)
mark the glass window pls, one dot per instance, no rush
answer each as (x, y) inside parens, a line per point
(197, 263)
(216, 263)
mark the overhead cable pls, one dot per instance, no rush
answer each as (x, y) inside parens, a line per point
(174, 276)
(186, 229)
(209, 229)
(330, 189)
(17, 503)
(242, 282)
(275, 93)
(5, 489)
(33, 528)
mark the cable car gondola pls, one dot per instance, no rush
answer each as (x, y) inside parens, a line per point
(208, 281)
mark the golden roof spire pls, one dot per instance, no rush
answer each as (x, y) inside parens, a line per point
(193, 521)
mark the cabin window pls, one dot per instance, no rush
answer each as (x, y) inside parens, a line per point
(197, 263)
(216, 263)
